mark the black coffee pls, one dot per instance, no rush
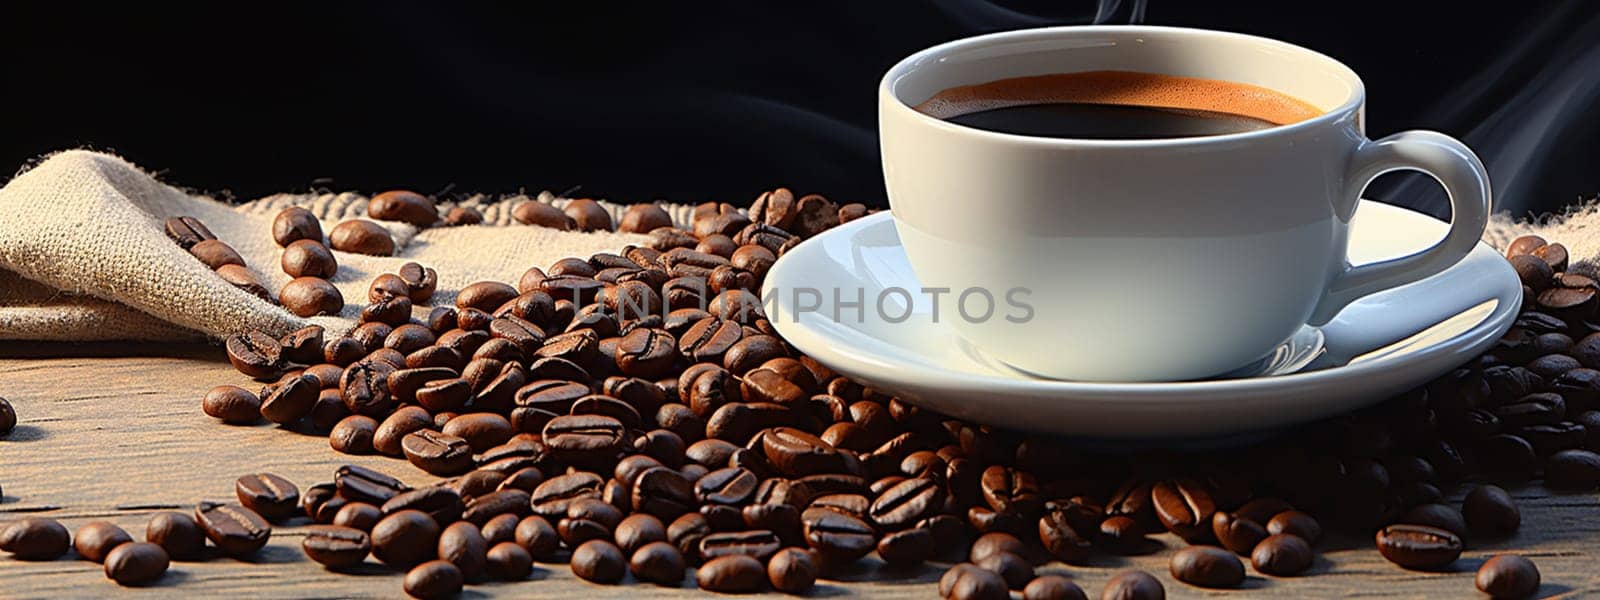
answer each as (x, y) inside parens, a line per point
(1116, 105)
(1107, 121)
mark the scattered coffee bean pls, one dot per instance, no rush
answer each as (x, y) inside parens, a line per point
(657, 562)
(405, 539)
(1418, 547)
(732, 574)
(96, 540)
(1574, 469)
(187, 231)
(599, 561)
(235, 530)
(507, 561)
(792, 571)
(463, 545)
(1300, 524)
(35, 538)
(405, 206)
(311, 296)
(1439, 516)
(231, 404)
(308, 258)
(1508, 576)
(136, 563)
(336, 547)
(293, 224)
(1133, 585)
(177, 533)
(1282, 554)
(1490, 511)
(432, 580)
(361, 237)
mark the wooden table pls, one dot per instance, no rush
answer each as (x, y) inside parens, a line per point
(114, 432)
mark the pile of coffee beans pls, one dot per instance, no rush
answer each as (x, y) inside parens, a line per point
(637, 413)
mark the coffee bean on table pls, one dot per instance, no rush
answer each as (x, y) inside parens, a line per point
(361, 237)
(353, 434)
(1441, 516)
(759, 544)
(1576, 469)
(35, 538)
(290, 399)
(311, 296)
(1185, 508)
(442, 503)
(733, 574)
(1133, 585)
(177, 533)
(1418, 547)
(435, 579)
(1297, 523)
(96, 540)
(906, 548)
(360, 484)
(838, 537)
(336, 547)
(358, 515)
(437, 453)
(136, 563)
(1490, 511)
(506, 561)
(235, 530)
(1207, 566)
(230, 404)
(463, 545)
(1237, 533)
(537, 535)
(405, 539)
(1508, 576)
(1282, 554)
(792, 571)
(971, 582)
(599, 561)
(255, 354)
(658, 562)
(1052, 587)
(1012, 568)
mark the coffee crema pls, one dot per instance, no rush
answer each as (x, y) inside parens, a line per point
(1116, 105)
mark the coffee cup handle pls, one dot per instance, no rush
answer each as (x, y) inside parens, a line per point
(1464, 178)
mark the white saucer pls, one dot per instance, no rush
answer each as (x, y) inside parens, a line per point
(1379, 346)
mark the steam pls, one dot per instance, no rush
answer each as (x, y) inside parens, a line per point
(983, 15)
(1528, 132)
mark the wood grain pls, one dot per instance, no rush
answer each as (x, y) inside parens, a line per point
(114, 432)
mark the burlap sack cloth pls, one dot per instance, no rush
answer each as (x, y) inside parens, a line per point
(83, 256)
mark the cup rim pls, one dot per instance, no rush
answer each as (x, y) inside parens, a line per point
(1358, 90)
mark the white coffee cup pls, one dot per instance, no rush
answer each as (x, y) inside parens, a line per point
(1157, 259)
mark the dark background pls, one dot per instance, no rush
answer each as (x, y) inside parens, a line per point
(690, 101)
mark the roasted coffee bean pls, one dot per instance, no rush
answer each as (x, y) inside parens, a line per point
(434, 580)
(506, 561)
(405, 539)
(365, 388)
(34, 538)
(317, 497)
(476, 483)
(588, 215)
(537, 535)
(1573, 470)
(256, 355)
(1063, 539)
(463, 546)
(663, 492)
(590, 435)
(386, 437)
(791, 571)
(967, 581)
(343, 351)
(647, 353)
(796, 453)
(360, 484)
(136, 563)
(295, 223)
(231, 404)
(443, 504)
(686, 531)
(1533, 271)
(177, 533)
(358, 515)
(599, 561)
(308, 258)
(215, 254)
(658, 562)
(481, 431)
(644, 218)
(1133, 585)
(1552, 365)
(534, 212)
(709, 339)
(637, 530)
(235, 530)
(336, 547)
(1207, 566)
(1418, 547)
(405, 206)
(990, 543)
(1185, 508)
(730, 485)
(361, 237)
(270, 496)
(187, 231)
(1505, 455)
(838, 537)
(1508, 576)
(906, 548)
(1282, 555)
(1299, 524)
(95, 540)
(906, 503)
(733, 574)
(552, 497)
(1012, 490)
(1043, 587)
(482, 508)
(290, 399)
